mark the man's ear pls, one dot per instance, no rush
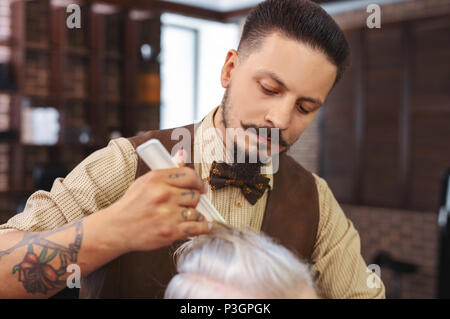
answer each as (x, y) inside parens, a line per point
(228, 68)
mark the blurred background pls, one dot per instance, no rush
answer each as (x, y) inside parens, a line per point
(382, 140)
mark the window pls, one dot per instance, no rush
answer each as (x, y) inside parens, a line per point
(40, 125)
(192, 55)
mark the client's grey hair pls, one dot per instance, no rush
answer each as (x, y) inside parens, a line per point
(231, 263)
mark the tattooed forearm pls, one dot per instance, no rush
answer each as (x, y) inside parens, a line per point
(33, 237)
(41, 273)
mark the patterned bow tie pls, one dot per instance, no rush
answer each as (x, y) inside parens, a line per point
(223, 174)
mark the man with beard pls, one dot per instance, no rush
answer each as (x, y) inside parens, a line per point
(121, 223)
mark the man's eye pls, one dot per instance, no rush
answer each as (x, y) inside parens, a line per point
(302, 109)
(267, 91)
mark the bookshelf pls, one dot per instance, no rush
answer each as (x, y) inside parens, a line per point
(89, 75)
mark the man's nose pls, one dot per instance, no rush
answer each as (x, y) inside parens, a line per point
(280, 116)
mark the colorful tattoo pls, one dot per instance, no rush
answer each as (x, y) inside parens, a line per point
(35, 272)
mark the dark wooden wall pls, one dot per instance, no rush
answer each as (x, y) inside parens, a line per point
(385, 129)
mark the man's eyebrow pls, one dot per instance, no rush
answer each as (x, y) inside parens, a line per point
(277, 79)
(310, 99)
(274, 77)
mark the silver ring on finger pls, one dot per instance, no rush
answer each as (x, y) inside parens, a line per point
(186, 213)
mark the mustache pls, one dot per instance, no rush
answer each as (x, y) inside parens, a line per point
(282, 141)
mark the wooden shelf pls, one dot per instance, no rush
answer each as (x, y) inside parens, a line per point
(5, 42)
(147, 104)
(36, 96)
(45, 47)
(113, 100)
(63, 145)
(116, 56)
(38, 46)
(8, 92)
(42, 65)
(9, 136)
(50, 97)
(15, 194)
(81, 52)
(68, 97)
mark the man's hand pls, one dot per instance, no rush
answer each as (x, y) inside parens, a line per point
(158, 209)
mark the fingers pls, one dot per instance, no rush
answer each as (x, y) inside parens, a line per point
(166, 194)
(186, 197)
(180, 158)
(189, 229)
(189, 215)
(184, 177)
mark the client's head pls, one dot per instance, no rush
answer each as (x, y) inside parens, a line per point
(230, 263)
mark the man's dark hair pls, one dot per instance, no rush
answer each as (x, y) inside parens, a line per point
(301, 20)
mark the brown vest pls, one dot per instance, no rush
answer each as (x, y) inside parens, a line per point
(291, 217)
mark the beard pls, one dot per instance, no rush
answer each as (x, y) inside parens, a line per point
(225, 108)
(236, 149)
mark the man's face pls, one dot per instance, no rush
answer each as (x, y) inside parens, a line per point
(281, 85)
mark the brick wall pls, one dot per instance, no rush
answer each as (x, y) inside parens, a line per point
(409, 236)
